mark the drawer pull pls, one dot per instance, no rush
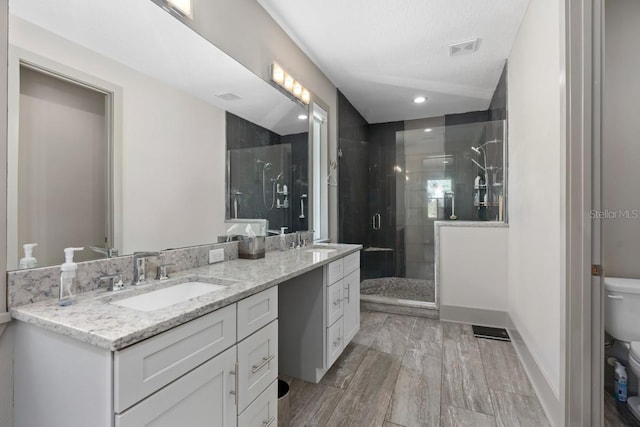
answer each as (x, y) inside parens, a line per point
(265, 361)
(269, 422)
(615, 297)
(235, 392)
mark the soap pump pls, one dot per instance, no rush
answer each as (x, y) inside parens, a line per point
(68, 272)
(28, 261)
(283, 239)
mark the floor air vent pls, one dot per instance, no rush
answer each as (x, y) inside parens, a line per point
(490, 333)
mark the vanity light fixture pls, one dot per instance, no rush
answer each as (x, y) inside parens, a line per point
(183, 7)
(428, 130)
(303, 117)
(289, 84)
(419, 99)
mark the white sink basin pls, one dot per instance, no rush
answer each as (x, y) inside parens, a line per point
(166, 297)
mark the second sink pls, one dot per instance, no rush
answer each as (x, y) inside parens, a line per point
(156, 300)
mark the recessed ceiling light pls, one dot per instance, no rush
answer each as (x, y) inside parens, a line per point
(428, 130)
(303, 117)
(419, 99)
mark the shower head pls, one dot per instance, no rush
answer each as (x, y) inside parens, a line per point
(478, 165)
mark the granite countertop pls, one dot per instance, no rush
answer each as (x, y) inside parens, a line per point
(93, 320)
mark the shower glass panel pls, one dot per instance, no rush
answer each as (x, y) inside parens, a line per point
(446, 173)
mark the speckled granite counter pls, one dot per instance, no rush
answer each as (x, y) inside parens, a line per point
(93, 320)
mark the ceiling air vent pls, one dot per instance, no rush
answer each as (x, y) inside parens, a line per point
(463, 48)
(228, 96)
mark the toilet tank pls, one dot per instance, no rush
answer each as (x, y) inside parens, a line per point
(622, 308)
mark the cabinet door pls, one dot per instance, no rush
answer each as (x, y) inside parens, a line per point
(351, 306)
(201, 398)
(257, 363)
(263, 412)
(335, 302)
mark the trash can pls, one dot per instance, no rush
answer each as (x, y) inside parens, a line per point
(283, 403)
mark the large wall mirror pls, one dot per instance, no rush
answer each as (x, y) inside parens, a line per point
(121, 122)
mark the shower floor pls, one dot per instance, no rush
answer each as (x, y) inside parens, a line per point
(399, 288)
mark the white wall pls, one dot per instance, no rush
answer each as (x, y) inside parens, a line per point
(473, 267)
(172, 151)
(536, 192)
(621, 137)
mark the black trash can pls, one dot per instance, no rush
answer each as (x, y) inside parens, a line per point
(283, 403)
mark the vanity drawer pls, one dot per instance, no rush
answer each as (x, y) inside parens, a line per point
(257, 364)
(152, 364)
(335, 302)
(263, 411)
(351, 263)
(334, 271)
(256, 311)
(335, 338)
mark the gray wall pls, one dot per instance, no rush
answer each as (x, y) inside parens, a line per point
(6, 338)
(621, 137)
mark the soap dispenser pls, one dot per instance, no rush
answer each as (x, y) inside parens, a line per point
(28, 261)
(283, 239)
(68, 272)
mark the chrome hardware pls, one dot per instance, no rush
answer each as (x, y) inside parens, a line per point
(376, 221)
(115, 282)
(615, 297)
(162, 272)
(269, 422)
(236, 391)
(107, 252)
(139, 267)
(348, 298)
(265, 361)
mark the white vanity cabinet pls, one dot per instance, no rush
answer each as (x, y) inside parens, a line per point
(200, 373)
(319, 314)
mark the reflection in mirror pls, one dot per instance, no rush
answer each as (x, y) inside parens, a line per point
(164, 95)
(268, 173)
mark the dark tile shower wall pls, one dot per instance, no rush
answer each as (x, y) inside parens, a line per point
(353, 185)
(247, 142)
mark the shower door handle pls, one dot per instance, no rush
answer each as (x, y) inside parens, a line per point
(373, 221)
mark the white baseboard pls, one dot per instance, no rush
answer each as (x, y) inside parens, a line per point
(474, 316)
(551, 405)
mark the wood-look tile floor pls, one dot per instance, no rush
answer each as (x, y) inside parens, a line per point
(410, 371)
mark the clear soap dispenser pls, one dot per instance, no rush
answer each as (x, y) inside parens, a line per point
(28, 261)
(68, 272)
(283, 239)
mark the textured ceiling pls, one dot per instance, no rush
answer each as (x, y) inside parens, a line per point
(381, 53)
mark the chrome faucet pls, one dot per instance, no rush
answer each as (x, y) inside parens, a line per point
(140, 267)
(115, 282)
(107, 252)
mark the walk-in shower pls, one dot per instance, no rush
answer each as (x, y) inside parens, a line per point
(417, 176)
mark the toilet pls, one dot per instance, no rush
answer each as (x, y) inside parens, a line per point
(622, 322)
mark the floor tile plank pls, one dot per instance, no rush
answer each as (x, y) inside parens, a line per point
(426, 337)
(458, 417)
(464, 384)
(514, 410)
(343, 370)
(370, 324)
(366, 400)
(416, 396)
(394, 335)
(311, 404)
(503, 369)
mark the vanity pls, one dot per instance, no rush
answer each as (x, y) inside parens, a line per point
(114, 359)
